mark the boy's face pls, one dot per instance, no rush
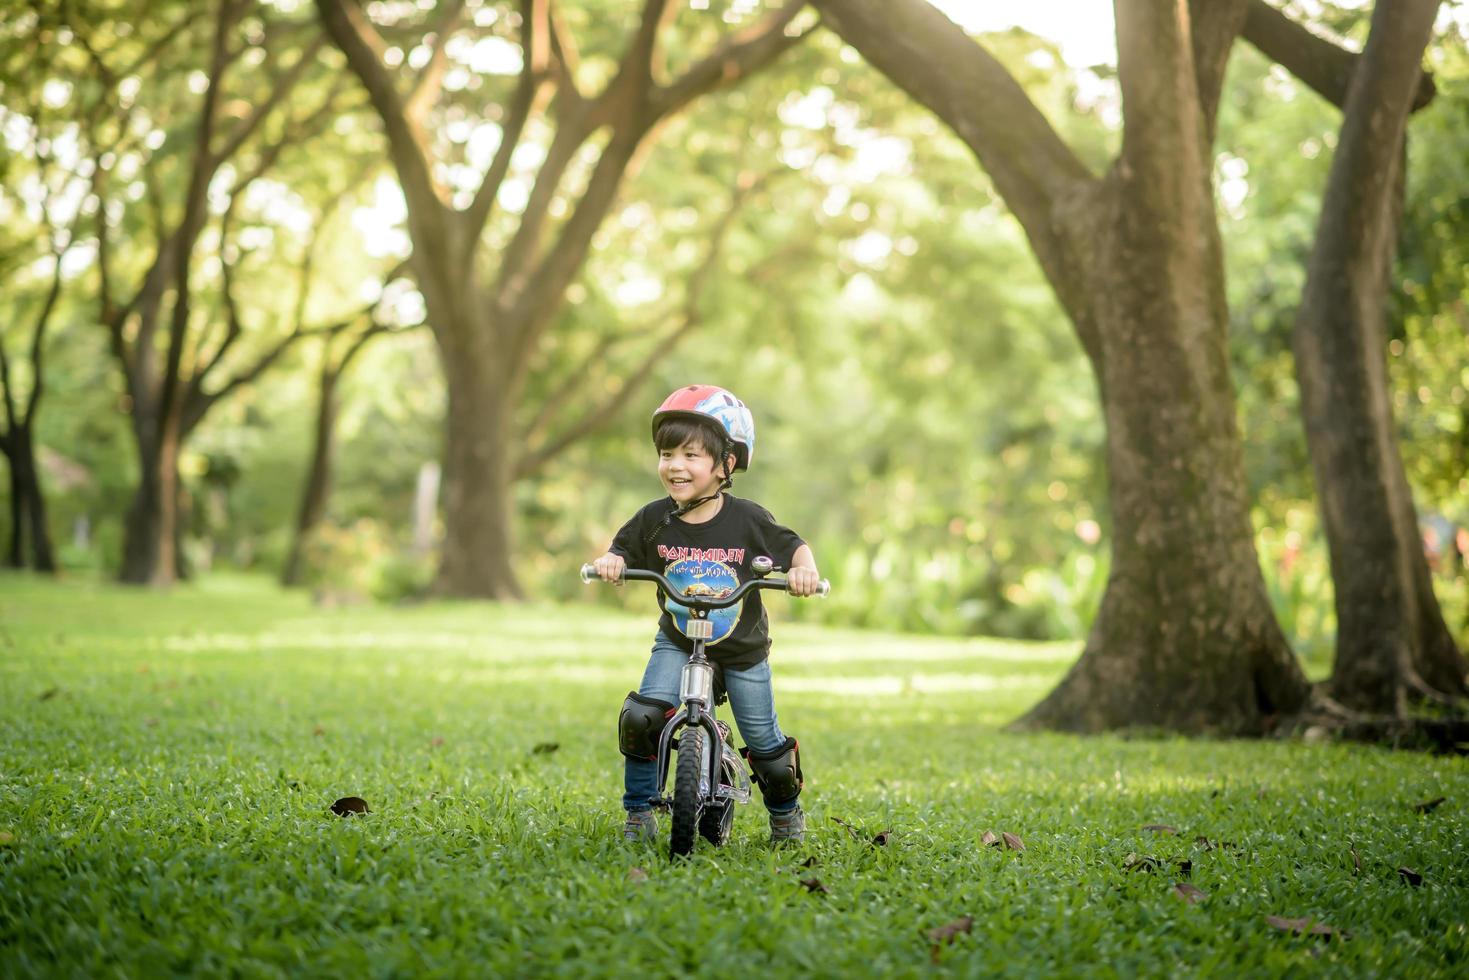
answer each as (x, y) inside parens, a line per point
(689, 472)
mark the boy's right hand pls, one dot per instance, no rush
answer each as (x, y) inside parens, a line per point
(610, 568)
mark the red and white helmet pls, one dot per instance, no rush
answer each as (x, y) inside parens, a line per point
(713, 403)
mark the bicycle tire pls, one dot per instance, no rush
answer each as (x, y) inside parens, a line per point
(686, 803)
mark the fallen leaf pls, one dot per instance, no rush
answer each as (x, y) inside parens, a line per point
(1013, 842)
(1356, 861)
(815, 886)
(350, 804)
(882, 837)
(1189, 893)
(850, 829)
(1140, 862)
(636, 874)
(810, 862)
(988, 838)
(49, 693)
(545, 748)
(1411, 877)
(151, 722)
(1428, 806)
(318, 731)
(1160, 828)
(436, 741)
(946, 933)
(1185, 867)
(1306, 926)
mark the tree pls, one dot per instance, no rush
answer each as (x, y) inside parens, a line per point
(173, 379)
(489, 330)
(1185, 638)
(1392, 641)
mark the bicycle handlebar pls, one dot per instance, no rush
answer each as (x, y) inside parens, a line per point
(589, 575)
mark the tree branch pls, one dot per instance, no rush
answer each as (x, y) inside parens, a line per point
(430, 82)
(931, 58)
(1213, 26)
(279, 90)
(600, 414)
(735, 58)
(407, 142)
(1322, 66)
(528, 100)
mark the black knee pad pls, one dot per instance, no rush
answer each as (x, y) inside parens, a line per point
(641, 722)
(777, 773)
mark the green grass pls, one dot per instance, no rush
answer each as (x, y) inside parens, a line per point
(167, 763)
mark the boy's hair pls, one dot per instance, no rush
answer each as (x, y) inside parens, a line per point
(676, 432)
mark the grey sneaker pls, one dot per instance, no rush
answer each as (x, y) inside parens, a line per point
(788, 828)
(641, 827)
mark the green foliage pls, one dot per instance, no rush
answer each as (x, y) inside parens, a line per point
(169, 762)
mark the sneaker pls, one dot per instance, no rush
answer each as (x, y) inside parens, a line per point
(788, 828)
(641, 827)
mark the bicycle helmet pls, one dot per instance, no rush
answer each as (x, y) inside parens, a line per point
(712, 403)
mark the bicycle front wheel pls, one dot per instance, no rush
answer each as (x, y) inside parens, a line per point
(687, 805)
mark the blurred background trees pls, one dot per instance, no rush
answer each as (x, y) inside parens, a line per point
(809, 237)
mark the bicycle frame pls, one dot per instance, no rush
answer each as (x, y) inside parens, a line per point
(696, 695)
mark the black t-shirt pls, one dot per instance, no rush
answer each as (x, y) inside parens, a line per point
(713, 556)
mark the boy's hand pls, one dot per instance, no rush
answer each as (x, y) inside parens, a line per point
(610, 567)
(802, 581)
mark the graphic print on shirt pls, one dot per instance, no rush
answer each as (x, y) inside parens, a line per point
(709, 579)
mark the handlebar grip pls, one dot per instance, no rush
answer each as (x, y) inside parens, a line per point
(588, 574)
(823, 589)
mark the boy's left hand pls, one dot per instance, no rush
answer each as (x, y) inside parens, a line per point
(802, 581)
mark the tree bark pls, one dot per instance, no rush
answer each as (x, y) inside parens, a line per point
(1391, 637)
(43, 555)
(150, 529)
(319, 478)
(1185, 639)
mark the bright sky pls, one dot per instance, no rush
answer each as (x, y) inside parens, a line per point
(1083, 28)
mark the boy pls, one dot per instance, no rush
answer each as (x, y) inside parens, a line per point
(699, 533)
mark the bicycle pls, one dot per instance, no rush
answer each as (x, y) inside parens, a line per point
(706, 785)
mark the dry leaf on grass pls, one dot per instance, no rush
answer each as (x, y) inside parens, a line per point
(946, 933)
(1411, 877)
(989, 838)
(1189, 893)
(1160, 828)
(1306, 927)
(349, 805)
(1428, 806)
(636, 874)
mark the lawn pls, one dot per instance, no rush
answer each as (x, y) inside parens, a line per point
(167, 764)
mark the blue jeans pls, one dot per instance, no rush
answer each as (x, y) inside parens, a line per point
(750, 698)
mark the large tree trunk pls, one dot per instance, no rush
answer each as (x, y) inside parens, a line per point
(27, 506)
(43, 556)
(318, 481)
(1185, 638)
(479, 460)
(15, 551)
(150, 530)
(1390, 631)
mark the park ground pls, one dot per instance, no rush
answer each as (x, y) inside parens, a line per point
(168, 763)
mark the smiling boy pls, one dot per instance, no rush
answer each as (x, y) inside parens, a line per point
(702, 538)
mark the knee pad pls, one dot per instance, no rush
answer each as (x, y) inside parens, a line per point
(641, 722)
(778, 772)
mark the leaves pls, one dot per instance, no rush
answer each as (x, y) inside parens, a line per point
(1160, 828)
(814, 886)
(348, 805)
(1012, 842)
(989, 838)
(48, 694)
(880, 839)
(1141, 862)
(1428, 806)
(636, 874)
(1411, 877)
(545, 748)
